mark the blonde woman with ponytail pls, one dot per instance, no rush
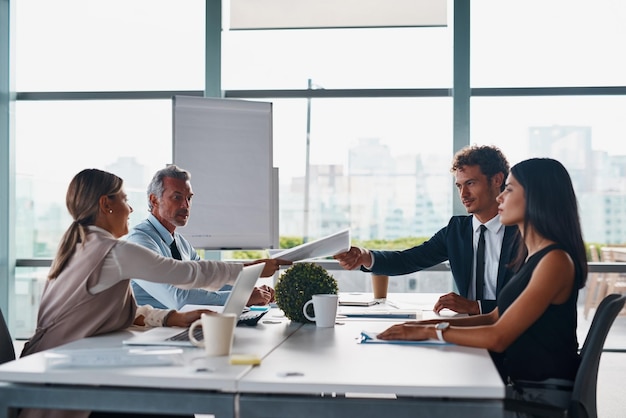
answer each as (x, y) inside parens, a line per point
(88, 289)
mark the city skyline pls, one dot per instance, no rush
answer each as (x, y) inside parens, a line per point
(377, 194)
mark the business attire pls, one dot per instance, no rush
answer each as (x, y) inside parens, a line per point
(456, 243)
(541, 364)
(151, 234)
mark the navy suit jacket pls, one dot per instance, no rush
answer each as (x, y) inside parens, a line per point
(452, 243)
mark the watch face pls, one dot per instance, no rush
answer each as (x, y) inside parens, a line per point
(442, 325)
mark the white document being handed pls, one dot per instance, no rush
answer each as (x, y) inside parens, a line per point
(327, 246)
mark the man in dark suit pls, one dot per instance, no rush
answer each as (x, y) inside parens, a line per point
(480, 172)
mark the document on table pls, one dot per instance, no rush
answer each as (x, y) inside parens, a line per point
(377, 313)
(113, 357)
(362, 305)
(327, 246)
(368, 337)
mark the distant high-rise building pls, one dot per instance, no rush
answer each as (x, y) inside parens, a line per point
(599, 179)
(603, 217)
(380, 197)
(571, 145)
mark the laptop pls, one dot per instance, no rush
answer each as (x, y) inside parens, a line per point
(357, 299)
(235, 304)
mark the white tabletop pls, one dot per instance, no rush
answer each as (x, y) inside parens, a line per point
(295, 359)
(331, 360)
(195, 371)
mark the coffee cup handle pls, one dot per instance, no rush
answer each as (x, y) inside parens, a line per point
(307, 316)
(192, 338)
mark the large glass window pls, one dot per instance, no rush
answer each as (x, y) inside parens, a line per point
(109, 45)
(583, 133)
(378, 166)
(55, 140)
(555, 43)
(338, 58)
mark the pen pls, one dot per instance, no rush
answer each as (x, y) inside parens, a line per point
(393, 305)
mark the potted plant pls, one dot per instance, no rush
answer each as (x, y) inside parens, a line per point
(298, 284)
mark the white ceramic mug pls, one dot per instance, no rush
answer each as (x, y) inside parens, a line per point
(218, 331)
(324, 309)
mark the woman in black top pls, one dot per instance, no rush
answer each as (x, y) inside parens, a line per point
(534, 324)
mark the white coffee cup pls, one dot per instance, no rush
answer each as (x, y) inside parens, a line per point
(218, 331)
(324, 309)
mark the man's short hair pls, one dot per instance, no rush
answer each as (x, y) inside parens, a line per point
(489, 158)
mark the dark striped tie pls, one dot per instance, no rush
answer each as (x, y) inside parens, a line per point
(175, 252)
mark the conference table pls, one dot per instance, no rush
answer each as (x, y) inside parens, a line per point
(305, 371)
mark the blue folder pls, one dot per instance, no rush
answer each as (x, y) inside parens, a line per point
(370, 338)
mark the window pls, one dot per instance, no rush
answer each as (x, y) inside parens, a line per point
(109, 45)
(59, 139)
(376, 166)
(338, 58)
(560, 43)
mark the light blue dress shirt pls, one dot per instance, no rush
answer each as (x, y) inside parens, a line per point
(151, 234)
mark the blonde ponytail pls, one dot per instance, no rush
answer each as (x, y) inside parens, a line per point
(82, 201)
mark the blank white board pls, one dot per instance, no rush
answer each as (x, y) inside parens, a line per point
(226, 144)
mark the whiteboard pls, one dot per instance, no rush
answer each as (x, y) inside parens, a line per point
(226, 145)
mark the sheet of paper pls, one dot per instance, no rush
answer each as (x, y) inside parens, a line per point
(327, 246)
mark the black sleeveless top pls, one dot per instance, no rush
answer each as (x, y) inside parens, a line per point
(549, 347)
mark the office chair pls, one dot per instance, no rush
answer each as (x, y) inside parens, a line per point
(7, 350)
(583, 403)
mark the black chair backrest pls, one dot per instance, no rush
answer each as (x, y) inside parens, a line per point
(7, 350)
(583, 403)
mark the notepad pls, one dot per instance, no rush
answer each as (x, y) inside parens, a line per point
(369, 337)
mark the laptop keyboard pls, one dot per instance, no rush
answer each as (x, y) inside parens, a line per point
(184, 335)
(249, 318)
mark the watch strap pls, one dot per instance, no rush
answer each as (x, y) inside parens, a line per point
(440, 335)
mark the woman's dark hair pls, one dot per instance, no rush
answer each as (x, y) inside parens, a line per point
(551, 207)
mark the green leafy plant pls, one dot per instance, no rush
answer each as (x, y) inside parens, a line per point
(298, 284)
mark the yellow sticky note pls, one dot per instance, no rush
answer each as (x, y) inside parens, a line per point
(250, 359)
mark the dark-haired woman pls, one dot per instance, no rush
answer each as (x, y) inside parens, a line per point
(534, 324)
